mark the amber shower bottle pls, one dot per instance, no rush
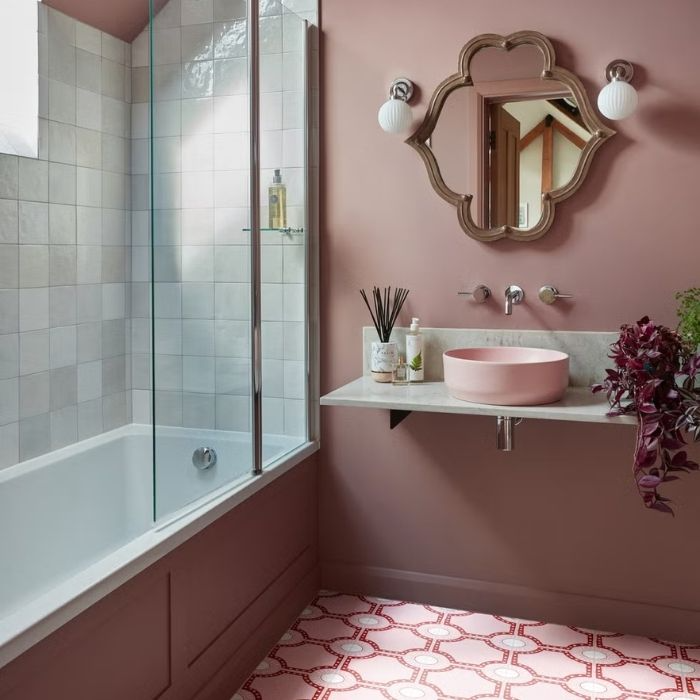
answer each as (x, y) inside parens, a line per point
(277, 200)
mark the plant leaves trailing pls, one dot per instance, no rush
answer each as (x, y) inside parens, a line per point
(689, 317)
(655, 377)
(385, 309)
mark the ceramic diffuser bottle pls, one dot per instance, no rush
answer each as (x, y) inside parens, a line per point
(384, 310)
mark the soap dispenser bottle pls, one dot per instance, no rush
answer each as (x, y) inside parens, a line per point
(277, 201)
(414, 352)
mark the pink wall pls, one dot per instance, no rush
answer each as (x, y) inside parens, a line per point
(120, 18)
(556, 524)
(195, 624)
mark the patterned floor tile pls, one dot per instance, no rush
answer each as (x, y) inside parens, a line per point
(346, 647)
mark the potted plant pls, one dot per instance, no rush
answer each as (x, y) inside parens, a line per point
(384, 310)
(656, 377)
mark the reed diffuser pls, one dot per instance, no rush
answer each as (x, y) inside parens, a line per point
(384, 310)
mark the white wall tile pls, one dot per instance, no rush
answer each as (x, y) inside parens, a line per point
(88, 110)
(198, 226)
(33, 180)
(34, 395)
(62, 102)
(62, 181)
(64, 427)
(229, 9)
(88, 38)
(9, 356)
(9, 221)
(33, 352)
(88, 71)
(197, 42)
(198, 337)
(63, 346)
(166, 46)
(33, 309)
(9, 438)
(198, 374)
(197, 11)
(89, 381)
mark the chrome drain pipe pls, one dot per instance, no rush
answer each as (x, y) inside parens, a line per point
(506, 432)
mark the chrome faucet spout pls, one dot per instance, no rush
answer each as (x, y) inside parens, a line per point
(514, 296)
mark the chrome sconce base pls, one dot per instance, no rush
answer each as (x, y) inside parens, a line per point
(619, 69)
(401, 89)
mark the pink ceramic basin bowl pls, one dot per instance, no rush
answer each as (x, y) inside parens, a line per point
(506, 376)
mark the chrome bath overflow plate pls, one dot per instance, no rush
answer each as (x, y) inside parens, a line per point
(204, 458)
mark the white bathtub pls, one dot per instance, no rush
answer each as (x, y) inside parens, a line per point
(77, 523)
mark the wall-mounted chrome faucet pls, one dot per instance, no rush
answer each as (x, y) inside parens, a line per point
(549, 294)
(480, 293)
(514, 296)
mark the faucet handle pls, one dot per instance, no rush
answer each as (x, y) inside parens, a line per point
(514, 295)
(549, 294)
(480, 293)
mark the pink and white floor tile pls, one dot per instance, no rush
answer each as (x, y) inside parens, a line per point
(346, 647)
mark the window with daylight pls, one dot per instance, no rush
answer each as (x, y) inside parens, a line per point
(19, 77)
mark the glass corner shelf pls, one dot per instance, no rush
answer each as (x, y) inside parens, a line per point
(288, 231)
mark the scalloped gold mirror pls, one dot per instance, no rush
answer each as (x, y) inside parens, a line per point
(508, 137)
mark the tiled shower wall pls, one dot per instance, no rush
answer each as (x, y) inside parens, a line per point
(202, 253)
(67, 223)
(64, 236)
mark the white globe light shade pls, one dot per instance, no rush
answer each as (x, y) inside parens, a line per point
(617, 100)
(395, 116)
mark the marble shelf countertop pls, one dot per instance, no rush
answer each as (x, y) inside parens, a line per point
(578, 404)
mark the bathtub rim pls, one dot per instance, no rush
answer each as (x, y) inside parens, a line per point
(42, 616)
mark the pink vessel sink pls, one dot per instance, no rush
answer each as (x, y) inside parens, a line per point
(506, 376)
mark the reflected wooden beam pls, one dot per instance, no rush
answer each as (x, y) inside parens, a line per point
(538, 131)
(547, 154)
(531, 135)
(570, 135)
(571, 112)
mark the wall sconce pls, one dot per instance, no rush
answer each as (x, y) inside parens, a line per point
(395, 116)
(618, 99)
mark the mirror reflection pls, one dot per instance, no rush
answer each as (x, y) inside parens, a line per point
(509, 129)
(509, 138)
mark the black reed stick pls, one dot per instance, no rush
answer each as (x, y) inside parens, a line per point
(385, 309)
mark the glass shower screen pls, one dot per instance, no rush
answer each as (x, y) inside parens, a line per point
(223, 272)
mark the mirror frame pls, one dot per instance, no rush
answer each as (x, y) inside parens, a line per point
(550, 71)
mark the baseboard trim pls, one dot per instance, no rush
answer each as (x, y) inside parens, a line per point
(632, 617)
